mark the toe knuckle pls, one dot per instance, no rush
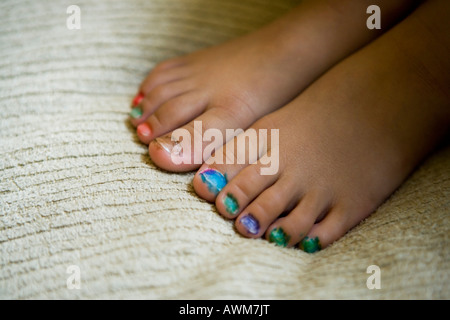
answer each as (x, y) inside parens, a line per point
(241, 189)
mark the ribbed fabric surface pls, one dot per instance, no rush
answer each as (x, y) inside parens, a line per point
(77, 188)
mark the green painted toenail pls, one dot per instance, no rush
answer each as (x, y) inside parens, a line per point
(279, 237)
(310, 245)
(231, 204)
(136, 113)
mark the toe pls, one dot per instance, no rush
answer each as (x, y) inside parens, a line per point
(162, 70)
(291, 229)
(244, 187)
(244, 162)
(335, 224)
(172, 114)
(268, 206)
(163, 76)
(186, 148)
(170, 63)
(149, 103)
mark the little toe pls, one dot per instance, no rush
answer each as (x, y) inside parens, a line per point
(291, 229)
(159, 77)
(335, 225)
(169, 63)
(160, 69)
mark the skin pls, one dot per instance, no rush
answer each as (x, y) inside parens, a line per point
(232, 85)
(347, 141)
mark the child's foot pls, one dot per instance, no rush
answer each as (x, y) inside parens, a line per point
(347, 142)
(232, 85)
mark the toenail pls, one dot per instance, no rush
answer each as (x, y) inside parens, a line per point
(136, 113)
(279, 237)
(250, 224)
(138, 99)
(214, 180)
(310, 245)
(231, 204)
(144, 130)
(172, 147)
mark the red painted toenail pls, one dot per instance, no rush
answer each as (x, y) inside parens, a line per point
(138, 99)
(144, 130)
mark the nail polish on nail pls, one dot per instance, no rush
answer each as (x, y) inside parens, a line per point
(279, 237)
(231, 204)
(138, 99)
(144, 130)
(310, 245)
(214, 180)
(136, 113)
(250, 224)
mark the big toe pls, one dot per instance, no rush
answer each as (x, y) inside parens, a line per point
(189, 146)
(243, 157)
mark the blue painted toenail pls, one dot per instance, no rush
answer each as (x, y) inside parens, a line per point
(250, 223)
(214, 180)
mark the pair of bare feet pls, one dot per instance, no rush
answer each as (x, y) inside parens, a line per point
(356, 111)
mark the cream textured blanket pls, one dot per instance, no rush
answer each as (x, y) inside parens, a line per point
(85, 214)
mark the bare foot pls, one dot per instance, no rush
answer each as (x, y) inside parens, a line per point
(232, 85)
(347, 142)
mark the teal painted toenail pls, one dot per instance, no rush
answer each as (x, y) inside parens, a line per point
(231, 204)
(214, 180)
(136, 113)
(310, 245)
(279, 237)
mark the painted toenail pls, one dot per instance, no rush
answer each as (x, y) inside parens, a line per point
(136, 113)
(310, 245)
(138, 99)
(214, 180)
(231, 204)
(250, 224)
(279, 237)
(172, 147)
(144, 130)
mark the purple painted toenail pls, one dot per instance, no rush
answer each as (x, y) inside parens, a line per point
(250, 224)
